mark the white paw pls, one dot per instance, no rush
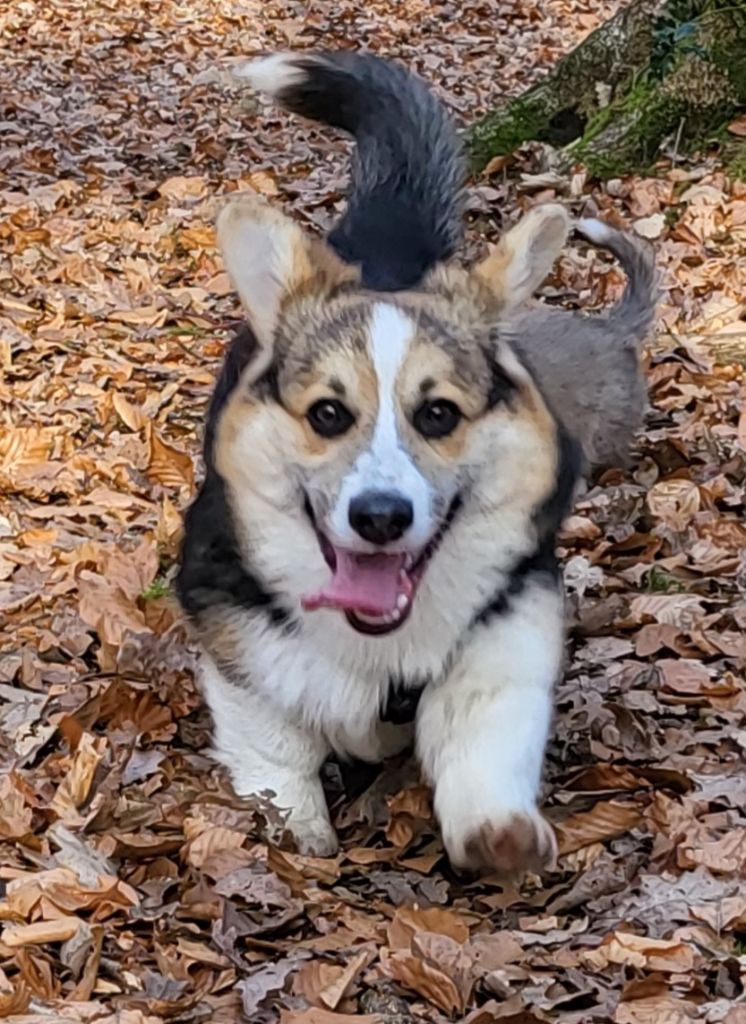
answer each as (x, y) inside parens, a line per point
(507, 841)
(314, 837)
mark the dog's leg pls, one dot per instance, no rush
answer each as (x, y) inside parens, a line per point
(481, 734)
(267, 752)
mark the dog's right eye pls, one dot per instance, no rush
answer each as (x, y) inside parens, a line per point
(438, 418)
(330, 418)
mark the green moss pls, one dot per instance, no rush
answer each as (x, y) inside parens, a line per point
(505, 130)
(598, 123)
(155, 590)
(657, 581)
(626, 139)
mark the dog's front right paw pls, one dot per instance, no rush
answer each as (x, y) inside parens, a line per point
(314, 837)
(508, 842)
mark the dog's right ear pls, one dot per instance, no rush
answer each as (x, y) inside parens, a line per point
(524, 255)
(270, 259)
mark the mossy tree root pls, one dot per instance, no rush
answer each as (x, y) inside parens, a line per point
(661, 70)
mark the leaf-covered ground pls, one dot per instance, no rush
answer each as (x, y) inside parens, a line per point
(132, 889)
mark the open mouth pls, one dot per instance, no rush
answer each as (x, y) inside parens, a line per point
(376, 592)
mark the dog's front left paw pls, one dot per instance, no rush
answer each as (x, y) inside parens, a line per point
(508, 843)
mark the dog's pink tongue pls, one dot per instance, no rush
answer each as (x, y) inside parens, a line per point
(369, 584)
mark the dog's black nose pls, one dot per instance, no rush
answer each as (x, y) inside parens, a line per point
(380, 516)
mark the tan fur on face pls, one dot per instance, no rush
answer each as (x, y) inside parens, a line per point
(482, 436)
(341, 374)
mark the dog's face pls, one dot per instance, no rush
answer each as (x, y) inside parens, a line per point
(366, 422)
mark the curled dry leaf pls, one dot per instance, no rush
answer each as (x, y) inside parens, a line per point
(425, 979)
(167, 465)
(674, 502)
(75, 787)
(131, 415)
(41, 932)
(664, 955)
(410, 811)
(606, 820)
(409, 922)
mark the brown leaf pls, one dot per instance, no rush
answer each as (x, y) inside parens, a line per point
(212, 841)
(666, 955)
(605, 820)
(334, 992)
(183, 187)
(314, 1015)
(41, 932)
(15, 815)
(167, 465)
(410, 921)
(75, 787)
(691, 679)
(410, 811)
(24, 446)
(725, 855)
(263, 182)
(738, 126)
(429, 982)
(15, 1000)
(674, 502)
(131, 415)
(656, 1010)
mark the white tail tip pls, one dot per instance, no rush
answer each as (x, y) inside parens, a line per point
(594, 230)
(273, 74)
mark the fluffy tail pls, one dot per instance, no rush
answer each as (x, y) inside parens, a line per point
(404, 210)
(636, 309)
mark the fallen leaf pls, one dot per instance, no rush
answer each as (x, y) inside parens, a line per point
(39, 933)
(650, 227)
(605, 820)
(665, 955)
(738, 126)
(410, 921)
(167, 465)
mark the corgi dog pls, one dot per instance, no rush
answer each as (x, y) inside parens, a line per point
(384, 482)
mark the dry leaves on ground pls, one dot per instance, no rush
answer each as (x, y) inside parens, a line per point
(133, 889)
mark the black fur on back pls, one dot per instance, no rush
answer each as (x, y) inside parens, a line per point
(404, 211)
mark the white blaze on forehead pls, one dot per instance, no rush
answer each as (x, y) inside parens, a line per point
(391, 330)
(385, 464)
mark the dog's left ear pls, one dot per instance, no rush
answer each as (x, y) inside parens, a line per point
(524, 255)
(270, 259)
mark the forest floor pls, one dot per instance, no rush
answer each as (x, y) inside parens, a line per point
(133, 887)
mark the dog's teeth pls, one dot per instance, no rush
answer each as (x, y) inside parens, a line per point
(401, 603)
(408, 562)
(395, 616)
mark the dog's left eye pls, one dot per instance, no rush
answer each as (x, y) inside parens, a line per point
(330, 417)
(438, 418)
